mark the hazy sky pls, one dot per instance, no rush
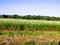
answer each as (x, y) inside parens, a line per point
(31, 7)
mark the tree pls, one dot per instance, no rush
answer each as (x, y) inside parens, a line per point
(4, 16)
(15, 16)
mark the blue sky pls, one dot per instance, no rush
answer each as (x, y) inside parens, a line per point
(30, 7)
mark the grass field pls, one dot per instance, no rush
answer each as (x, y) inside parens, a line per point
(20, 24)
(29, 32)
(30, 37)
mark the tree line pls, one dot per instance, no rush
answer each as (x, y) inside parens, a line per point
(33, 17)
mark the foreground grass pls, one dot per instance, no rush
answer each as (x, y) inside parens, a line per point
(30, 37)
(20, 24)
(29, 32)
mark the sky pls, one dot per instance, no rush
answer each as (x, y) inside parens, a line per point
(30, 7)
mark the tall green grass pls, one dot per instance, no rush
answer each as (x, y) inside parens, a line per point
(20, 24)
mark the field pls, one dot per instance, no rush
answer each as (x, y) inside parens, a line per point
(29, 32)
(29, 25)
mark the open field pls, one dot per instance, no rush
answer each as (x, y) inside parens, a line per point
(29, 25)
(30, 38)
(29, 32)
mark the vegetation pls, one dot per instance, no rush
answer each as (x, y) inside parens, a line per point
(29, 32)
(29, 17)
(30, 43)
(30, 38)
(20, 24)
(44, 34)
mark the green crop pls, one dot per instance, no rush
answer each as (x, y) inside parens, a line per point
(29, 25)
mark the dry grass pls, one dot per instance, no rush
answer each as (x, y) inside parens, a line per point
(42, 38)
(22, 40)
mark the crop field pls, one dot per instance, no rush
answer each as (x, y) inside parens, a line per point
(30, 38)
(29, 25)
(29, 32)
